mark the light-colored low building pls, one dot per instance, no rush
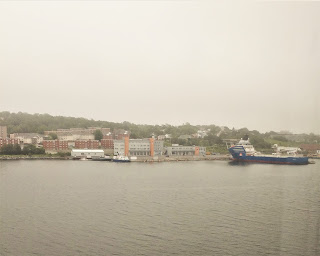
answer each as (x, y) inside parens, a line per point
(67, 135)
(178, 150)
(139, 147)
(28, 138)
(161, 137)
(158, 148)
(88, 153)
(78, 133)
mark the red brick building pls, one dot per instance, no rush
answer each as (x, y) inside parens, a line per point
(8, 141)
(89, 144)
(55, 145)
(121, 136)
(108, 136)
(107, 143)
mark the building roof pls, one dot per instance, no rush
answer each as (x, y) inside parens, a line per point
(310, 146)
(28, 135)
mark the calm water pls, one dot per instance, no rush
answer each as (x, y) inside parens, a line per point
(181, 208)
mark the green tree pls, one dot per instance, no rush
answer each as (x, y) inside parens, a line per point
(32, 150)
(10, 149)
(7, 149)
(98, 135)
(53, 136)
(280, 138)
(17, 149)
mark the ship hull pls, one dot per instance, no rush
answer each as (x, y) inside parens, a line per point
(239, 155)
(273, 160)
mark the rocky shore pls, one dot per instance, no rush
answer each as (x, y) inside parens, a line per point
(23, 157)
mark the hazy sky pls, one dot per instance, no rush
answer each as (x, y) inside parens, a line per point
(254, 65)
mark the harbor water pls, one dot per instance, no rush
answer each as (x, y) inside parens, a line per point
(52, 207)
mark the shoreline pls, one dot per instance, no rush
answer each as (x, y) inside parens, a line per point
(140, 159)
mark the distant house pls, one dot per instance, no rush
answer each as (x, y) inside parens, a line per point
(310, 148)
(161, 137)
(28, 138)
(201, 134)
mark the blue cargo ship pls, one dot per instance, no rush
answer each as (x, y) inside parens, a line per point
(245, 152)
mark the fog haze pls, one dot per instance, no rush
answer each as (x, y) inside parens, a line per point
(253, 65)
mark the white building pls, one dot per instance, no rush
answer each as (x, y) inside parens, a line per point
(87, 153)
(71, 136)
(201, 134)
(28, 138)
(178, 150)
(161, 137)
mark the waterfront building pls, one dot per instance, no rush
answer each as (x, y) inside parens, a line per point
(87, 153)
(118, 147)
(178, 150)
(138, 147)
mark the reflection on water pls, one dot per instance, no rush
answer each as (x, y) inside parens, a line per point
(181, 208)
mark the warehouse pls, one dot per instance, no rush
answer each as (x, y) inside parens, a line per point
(87, 153)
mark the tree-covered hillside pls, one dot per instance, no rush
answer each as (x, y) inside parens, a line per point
(23, 122)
